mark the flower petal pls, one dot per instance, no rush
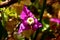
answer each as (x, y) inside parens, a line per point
(29, 13)
(25, 22)
(55, 20)
(23, 15)
(26, 13)
(21, 29)
(36, 26)
(35, 20)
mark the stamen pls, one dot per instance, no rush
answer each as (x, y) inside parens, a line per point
(30, 21)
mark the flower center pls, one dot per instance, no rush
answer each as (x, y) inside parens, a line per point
(30, 21)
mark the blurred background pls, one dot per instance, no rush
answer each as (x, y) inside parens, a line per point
(10, 19)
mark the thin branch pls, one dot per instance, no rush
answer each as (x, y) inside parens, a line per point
(7, 3)
(41, 15)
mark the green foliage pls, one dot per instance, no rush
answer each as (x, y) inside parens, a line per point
(45, 25)
(3, 31)
(10, 12)
(6, 13)
(46, 20)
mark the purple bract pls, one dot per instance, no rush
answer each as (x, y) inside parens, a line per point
(28, 21)
(55, 20)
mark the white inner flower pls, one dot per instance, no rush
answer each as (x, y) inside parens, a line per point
(30, 21)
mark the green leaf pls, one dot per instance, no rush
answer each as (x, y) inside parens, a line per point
(45, 26)
(3, 19)
(3, 31)
(46, 20)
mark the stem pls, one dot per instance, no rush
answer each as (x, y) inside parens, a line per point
(42, 10)
(3, 19)
(41, 15)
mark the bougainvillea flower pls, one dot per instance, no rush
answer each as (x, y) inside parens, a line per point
(55, 20)
(28, 21)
